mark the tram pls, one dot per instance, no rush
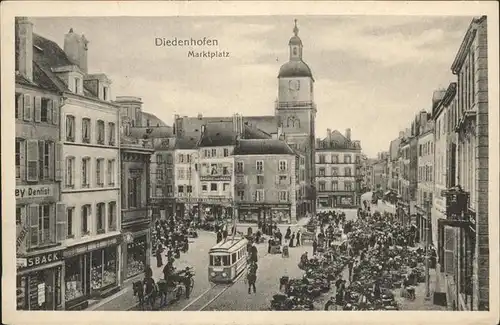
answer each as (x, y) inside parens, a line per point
(227, 260)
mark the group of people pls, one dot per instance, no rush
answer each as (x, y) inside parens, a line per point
(170, 235)
(290, 239)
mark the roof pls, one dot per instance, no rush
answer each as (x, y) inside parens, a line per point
(227, 244)
(216, 135)
(186, 143)
(337, 141)
(266, 123)
(152, 132)
(466, 43)
(263, 147)
(295, 68)
(155, 121)
(250, 132)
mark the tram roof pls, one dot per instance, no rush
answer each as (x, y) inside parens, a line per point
(229, 244)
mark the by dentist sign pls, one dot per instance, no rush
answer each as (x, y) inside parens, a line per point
(34, 191)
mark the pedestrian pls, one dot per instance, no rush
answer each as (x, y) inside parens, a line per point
(252, 277)
(279, 235)
(219, 236)
(315, 246)
(288, 233)
(253, 253)
(291, 240)
(350, 265)
(224, 232)
(269, 244)
(298, 237)
(329, 303)
(159, 261)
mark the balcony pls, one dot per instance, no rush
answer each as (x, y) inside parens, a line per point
(294, 105)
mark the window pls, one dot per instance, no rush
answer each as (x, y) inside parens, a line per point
(111, 172)
(86, 210)
(32, 160)
(159, 159)
(347, 159)
(180, 173)
(105, 93)
(283, 196)
(169, 189)
(99, 172)
(46, 231)
(225, 187)
(283, 180)
(241, 195)
(112, 216)
(46, 110)
(321, 159)
(69, 222)
(169, 173)
(226, 152)
(321, 172)
(45, 149)
(180, 189)
(259, 195)
(260, 166)
(188, 172)
(260, 179)
(111, 133)
(213, 169)
(159, 174)
(70, 172)
(181, 158)
(282, 165)
(204, 187)
(86, 130)
(214, 152)
(239, 167)
(348, 186)
(100, 216)
(302, 175)
(335, 186)
(134, 192)
(19, 105)
(19, 158)
(100, 132)
(77, 86)
(358, 159)
(70, 128)
(213, 187)
(28, 107)
(225, 170)
(86, 172)
(335, 159)
(335, 171)
(207, 153)
(473, 77)
(321, 186)
(189, 189)
(347, 171)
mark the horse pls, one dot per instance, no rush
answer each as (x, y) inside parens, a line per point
(145, 298)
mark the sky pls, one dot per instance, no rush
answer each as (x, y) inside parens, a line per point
(372, 73)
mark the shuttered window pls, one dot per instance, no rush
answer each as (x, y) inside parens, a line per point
(32, 152)
(112, 216)
(86, 210)
(33, 219)
(61, 229)
(449, 248)
(27, 110)
(55, 112)
(58, 163)
(70, 172)
(38, 109)
(19, 105)
(20, 158)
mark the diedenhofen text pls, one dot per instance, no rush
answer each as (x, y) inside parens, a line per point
(162, 41)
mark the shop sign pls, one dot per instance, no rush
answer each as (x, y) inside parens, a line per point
(21, 262)
(90, 247)
(33, 191)
(42, 259)
(41, 293)
(22, 235)
(215, 178)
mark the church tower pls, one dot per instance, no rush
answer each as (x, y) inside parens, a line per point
(296, 110)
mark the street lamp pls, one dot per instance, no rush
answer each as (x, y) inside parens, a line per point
(428, 204)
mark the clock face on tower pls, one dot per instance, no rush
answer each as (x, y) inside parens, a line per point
(294, 85)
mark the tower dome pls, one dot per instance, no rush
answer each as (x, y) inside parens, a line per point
(295, 67)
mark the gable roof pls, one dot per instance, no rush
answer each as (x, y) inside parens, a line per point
(186, 143)
(262, 147)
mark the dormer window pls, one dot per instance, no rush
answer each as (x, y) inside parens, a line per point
(76, 90)
(105, 93)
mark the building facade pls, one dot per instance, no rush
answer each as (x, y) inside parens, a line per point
(40, 215)
(425, 187)
(338, 170)
(403, 205)
(266, 185)
(186, 176)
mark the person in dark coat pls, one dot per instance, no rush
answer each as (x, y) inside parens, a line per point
(219, 236)
(279, 235)
(257, 236)
(298, 237)
(288, 233)
(290, 244)
(350, 265)
(252, 277)
(159, 261)
(315, 246)
(253, 253)
(269, 244)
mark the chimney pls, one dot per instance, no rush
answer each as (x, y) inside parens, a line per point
(348, 134)
(24, 41)
(329, 133)
(75, 47)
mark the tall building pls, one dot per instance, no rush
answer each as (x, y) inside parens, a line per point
(266, 181)
(403, 205)
(338, 170)
(425, 186)
(186, 178)
(296, 111)
(464, 243)
(40, 214)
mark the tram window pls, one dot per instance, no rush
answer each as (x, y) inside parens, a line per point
(211, 260)
(217, 261)
(225, 260)
(234, 258)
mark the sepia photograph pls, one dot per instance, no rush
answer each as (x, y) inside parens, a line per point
(252, 162)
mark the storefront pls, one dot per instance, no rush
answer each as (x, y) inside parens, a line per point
(38, 282)
(253, 213)
(91, 271)
(135, 253)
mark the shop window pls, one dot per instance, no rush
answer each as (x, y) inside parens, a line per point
(39, 290)
(100, 132)
(136, 256)
(112, 216)
(21, 293)
(86, 130)
(103, 268)
(69, 222)
(111, 135)
(100, 216)
(20, 152)
(86, 210)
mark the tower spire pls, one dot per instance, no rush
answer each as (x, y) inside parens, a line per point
(295, 28)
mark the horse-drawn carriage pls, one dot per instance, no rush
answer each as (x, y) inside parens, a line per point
(179, 283)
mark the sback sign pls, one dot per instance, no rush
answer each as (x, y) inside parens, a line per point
(42, 259)
(23, 192)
